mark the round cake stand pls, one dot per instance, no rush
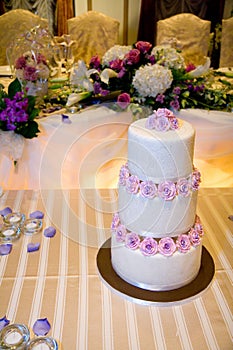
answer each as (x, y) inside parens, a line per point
(147, 297)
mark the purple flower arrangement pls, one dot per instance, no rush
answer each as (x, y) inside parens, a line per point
(150, 246)
(17, 111)
(151, 76)
(166, 190)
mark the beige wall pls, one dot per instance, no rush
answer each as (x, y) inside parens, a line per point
(125, 11)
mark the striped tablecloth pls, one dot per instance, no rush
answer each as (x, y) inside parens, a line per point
(61, 281)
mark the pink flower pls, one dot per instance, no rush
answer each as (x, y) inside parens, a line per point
(149, 246)
(183, 187)
(123, 100)
(95, 62)
(132, 184)
(30, 73)
(124, 174)
(167, 246)
(194, 237)
(120, 233)
(132, 241)
(115, 221)
(148, 189)
(174, 123)
(116, 65)
(143, 46)
(20, 63)
(132, 57)
(183, 243)
(167, 190)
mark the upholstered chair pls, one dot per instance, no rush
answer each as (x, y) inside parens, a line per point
(94, 33)
(192, 32)
(13, 24)
(226, 51)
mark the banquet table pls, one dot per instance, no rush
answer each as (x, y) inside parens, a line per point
(88, 151)
(61, 281)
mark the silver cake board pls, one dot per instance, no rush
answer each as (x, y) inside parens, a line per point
(147, 297)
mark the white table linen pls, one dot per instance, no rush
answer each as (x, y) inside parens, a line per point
(89, 152)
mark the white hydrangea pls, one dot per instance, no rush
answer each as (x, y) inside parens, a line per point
(152, 80)
(168, 57)
(115, 52)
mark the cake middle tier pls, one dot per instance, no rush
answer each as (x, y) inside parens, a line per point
(156, 217)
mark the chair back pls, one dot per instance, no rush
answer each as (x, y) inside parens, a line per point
(13, 24)
(226, 51)
(192, 32)
(94, 33)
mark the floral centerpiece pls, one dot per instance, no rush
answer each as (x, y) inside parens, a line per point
(33, 72)
(17, 120)
(150, 76)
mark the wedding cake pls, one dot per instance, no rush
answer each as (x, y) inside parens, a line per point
(156, 234)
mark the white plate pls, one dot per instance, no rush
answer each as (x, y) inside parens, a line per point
(5, 71)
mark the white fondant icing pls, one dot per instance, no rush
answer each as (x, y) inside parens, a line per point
(157, 156)
(156, 272)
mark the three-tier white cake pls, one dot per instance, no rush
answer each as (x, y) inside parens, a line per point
(156, 234)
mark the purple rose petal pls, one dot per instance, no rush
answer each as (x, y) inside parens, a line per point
(66, 119)
(41, 327)
(50, 232)
(5, 249)
(3, 322)
(32, 247)
(5, 211)
(37, 215)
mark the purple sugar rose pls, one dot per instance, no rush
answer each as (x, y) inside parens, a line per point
(124, 174)
(132, 57)
(115, 221)
(120, 233)
(167, 190)
(174, 124)
(183, 187)
(198, 226)
(166, 246)
(194, 237)
(164, 112)
(183, 243)
(132, 184)
(150, 121)
(132, 241)
(162, 124)
(148, 189)
(123, 100)
(196, 179)
(148, 246)
(143, 46)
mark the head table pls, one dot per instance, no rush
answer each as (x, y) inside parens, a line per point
(89, 150)
(60, 281)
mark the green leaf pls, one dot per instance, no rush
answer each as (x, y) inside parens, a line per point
(14, 87)
(28, 130)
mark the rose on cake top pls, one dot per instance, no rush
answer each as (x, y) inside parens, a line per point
(162, 120)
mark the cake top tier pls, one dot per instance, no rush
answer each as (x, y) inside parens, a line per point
(160, 155)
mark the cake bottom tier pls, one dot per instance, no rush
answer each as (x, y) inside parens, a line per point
(158, 272)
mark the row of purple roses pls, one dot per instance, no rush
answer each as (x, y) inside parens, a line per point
(166, 190)
(165, 246)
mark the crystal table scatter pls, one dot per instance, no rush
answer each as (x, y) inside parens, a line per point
(16, 219)
(32, 227)
(46, 343)
(9, 233)
(14, 336)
